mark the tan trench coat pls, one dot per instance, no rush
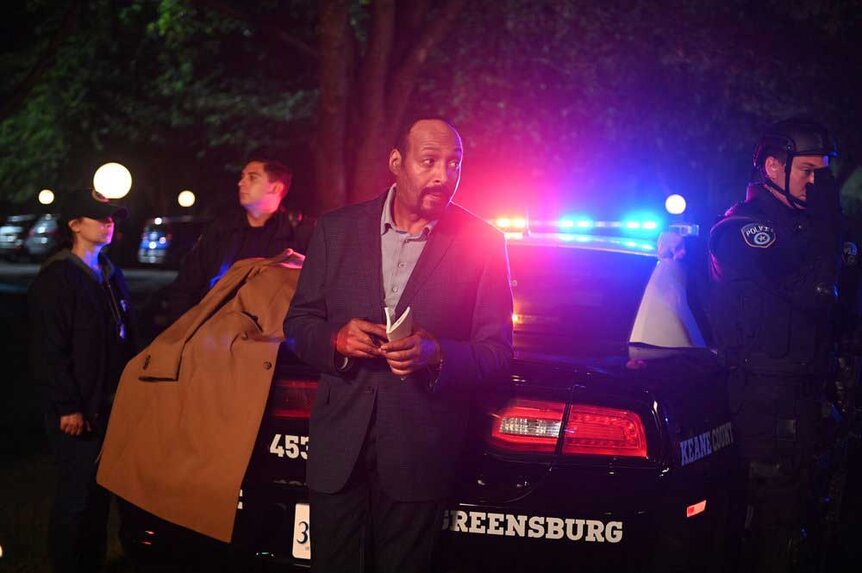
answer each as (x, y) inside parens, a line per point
(189, 407)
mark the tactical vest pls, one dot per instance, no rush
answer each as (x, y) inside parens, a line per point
(756, 324)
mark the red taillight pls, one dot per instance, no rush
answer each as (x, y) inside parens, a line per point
(534, 426)
(292, 398)
(599, 431)
(695, 509)
(528, 426)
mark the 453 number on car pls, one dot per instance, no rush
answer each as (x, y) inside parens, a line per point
(293, 447)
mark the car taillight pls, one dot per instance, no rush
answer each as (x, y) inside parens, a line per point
(599, 431)
(292, 398)
(695, 508)
(528, 426)
(536, 426)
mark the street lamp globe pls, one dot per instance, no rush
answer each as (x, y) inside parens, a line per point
(46, 197)
(186, 198)
(112, 180)
(675, 204)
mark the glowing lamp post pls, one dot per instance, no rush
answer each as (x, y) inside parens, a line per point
(186, 198)
(112, 180)
(46, 197)
(675, 204)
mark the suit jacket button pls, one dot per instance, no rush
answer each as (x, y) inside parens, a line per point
(267, 365)
(369, 389)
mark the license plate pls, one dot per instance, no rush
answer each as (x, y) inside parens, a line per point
(301, 532)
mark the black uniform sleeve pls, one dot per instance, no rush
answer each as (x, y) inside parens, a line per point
(750, 250)
(52, 302)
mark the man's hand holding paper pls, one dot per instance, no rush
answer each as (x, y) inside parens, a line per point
(360, 339)
(412, 353)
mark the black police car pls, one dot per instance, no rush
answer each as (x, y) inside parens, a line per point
(611, 449)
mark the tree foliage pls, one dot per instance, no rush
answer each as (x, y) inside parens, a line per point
(177, 90)
(585, 98)
(559, 102)
(372, 56)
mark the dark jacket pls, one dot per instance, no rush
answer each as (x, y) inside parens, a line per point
(226, 240)
(77, 349)
(776, 270)
(459, 292)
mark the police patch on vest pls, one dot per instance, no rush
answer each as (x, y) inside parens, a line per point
(757, 235)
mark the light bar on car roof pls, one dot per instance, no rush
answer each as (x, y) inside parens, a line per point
(638, 226)
(632, 234)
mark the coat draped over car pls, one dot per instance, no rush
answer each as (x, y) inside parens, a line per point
(189, 406)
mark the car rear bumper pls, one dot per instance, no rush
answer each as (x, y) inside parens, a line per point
(628, 532)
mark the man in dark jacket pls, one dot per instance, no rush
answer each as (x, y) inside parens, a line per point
(390, 415)
(262, 228)
(775, 259)
(81, 340)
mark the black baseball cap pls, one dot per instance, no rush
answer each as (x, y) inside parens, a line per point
(92, 204)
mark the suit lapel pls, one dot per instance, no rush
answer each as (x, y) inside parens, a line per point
(370, 263)
(438, 243)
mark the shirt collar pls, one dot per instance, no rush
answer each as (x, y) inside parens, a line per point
(771, 204)
(387, 222)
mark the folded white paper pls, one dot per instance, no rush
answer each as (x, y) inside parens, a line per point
(398, 329)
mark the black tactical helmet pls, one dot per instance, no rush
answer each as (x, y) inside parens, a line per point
(788, 139)
(794, 137)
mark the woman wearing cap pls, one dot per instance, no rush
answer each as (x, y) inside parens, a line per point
(81, 340)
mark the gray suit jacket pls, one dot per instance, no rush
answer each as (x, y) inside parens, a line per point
(459, 291)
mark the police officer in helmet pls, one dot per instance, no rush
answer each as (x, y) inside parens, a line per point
(775, 260)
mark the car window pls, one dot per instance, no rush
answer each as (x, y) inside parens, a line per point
(575, 301)
(45, 224)
(664, 318)
(166, 240)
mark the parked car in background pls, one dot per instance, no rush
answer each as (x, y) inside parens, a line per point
(43, 237)
(13, 233)
(166, 240)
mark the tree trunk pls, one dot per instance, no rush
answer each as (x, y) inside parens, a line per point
(388, 95)
(369, 161)
(385, 89)
(329, 147)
